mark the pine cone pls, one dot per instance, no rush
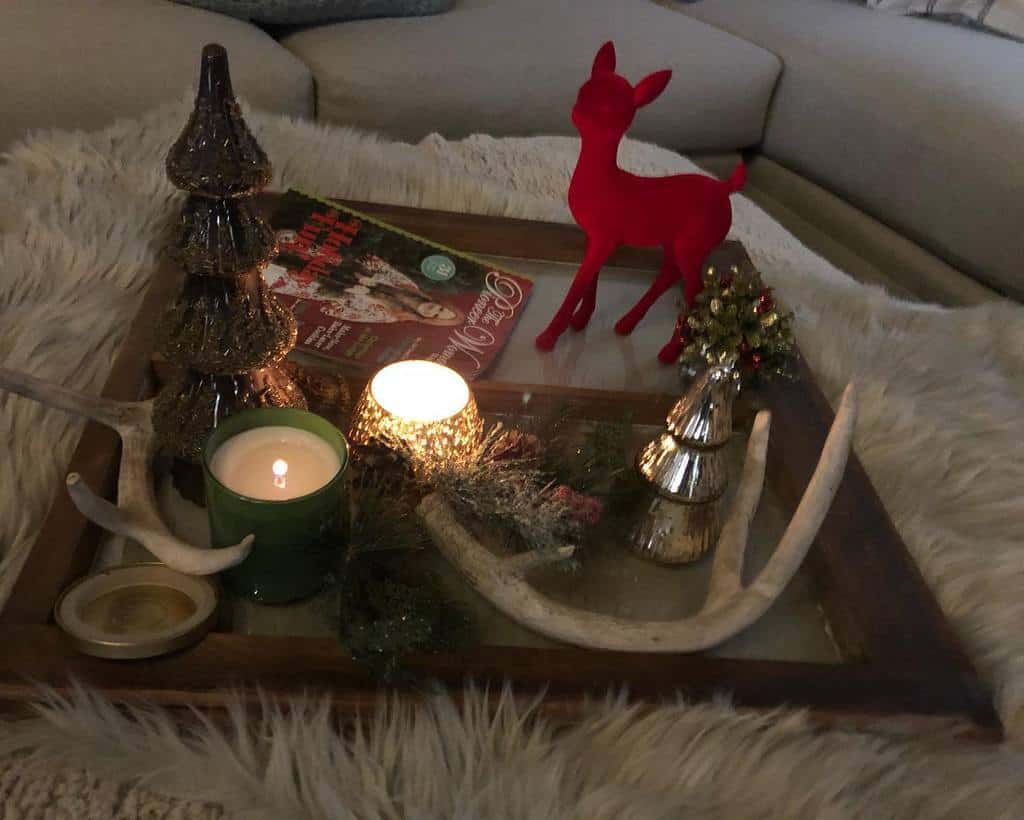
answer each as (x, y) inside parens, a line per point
(515, 445)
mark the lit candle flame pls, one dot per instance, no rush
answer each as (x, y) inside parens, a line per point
(280, 468)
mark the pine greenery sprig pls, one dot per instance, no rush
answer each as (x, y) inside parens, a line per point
(387, 607)
(501, 484)
(388, 610)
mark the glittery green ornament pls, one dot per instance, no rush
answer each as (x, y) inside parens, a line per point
(388, 612)
(736, 318)
(389, 607)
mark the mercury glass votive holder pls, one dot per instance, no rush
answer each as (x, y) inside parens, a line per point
(426, 407)
(298, 541)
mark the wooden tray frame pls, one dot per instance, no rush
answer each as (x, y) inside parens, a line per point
(904, 665)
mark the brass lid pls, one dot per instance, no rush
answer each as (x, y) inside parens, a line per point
(136, 611)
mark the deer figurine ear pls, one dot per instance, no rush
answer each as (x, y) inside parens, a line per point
(648, 89)
(605, 59)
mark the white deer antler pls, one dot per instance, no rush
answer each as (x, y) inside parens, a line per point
(729, 608)
(136, 514)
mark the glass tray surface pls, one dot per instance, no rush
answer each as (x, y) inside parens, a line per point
(607, 578)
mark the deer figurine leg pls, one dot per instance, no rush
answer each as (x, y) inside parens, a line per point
(667, 276)
(689, 258)
(597, 253)
(585, 309)
(690, 253)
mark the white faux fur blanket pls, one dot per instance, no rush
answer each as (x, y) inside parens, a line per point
(442, 761)
(82, 217)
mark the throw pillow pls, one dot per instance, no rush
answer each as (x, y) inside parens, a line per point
(1001, 16)
(304, 12)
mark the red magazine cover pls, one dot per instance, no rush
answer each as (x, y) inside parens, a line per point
(367, 293)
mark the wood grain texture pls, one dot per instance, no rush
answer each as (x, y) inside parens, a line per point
(490, 235)
(879, 600)
(208, 674)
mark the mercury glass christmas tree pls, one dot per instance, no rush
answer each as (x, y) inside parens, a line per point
(225, 331)
(688, 470)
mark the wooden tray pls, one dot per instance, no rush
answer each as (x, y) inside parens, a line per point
(901, 661)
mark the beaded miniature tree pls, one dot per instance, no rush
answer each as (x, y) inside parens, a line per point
(226, 331)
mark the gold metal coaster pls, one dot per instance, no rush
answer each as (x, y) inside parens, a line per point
(136, 611)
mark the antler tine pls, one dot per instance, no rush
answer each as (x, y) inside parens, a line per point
(522, 563)
(105, 411)
(136, 514)
(816, 501)
(727, 570)
(136, 522)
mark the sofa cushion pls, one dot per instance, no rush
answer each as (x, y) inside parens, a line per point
(82, 65)
(916, 122)
(514, 67)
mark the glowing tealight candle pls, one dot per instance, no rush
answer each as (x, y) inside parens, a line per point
(425, 405)
(275, 463)
(419, 390)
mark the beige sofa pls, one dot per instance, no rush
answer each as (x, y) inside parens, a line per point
(891, 145)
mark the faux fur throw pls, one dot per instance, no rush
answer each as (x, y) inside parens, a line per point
(488, 758)
(82, 218)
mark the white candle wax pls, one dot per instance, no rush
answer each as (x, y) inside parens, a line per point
(275, 463)
(420, 391)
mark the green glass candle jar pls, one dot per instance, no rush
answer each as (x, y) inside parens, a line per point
(298, 540)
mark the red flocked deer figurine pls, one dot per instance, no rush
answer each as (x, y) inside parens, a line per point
(686, 214)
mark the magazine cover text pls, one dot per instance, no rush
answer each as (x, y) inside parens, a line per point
(368, 294)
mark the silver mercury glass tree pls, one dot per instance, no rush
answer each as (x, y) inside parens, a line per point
(686, 465)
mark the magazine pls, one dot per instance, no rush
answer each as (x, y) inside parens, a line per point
(368, 294)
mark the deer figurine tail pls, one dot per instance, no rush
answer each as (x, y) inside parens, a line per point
(737, 179)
